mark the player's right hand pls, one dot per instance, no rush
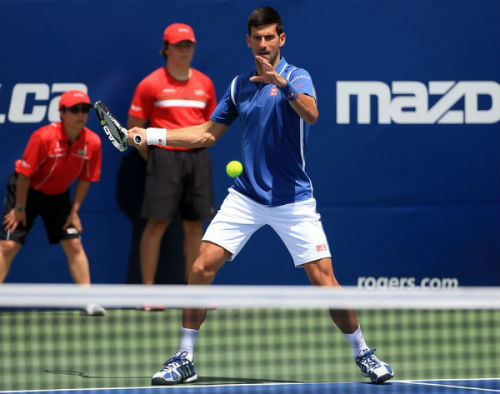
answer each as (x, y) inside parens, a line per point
(269, 74)
(136, 131)
(13, 218)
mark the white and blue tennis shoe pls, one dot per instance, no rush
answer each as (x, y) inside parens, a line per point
(372, 367)
(178, 369)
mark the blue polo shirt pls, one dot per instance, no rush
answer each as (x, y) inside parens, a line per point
(274, 137)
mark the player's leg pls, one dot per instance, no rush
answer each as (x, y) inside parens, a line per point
(193, 232)
(8, 250)
(299, 226)
(180, 368)
(237, 219)
(320, 273)
(211, 259)
(150, 248)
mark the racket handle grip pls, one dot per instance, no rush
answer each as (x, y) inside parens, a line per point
(137, 137)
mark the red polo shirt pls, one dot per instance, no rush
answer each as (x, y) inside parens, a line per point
(171, 104)
(52, 163)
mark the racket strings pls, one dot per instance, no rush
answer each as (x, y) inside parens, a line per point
(111, 127)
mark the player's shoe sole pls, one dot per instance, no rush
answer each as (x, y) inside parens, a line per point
(158, 381)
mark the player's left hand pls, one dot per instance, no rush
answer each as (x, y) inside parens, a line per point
(269, 75)
(73, 220)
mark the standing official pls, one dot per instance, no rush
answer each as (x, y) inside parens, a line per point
(178, 179)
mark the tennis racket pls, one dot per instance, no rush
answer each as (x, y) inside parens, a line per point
(116, 133)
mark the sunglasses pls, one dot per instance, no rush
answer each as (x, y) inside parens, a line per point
(84, 109)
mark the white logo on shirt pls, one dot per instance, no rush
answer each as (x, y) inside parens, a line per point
(135, 108)
(300, 77)
(168, 90)
(199, 92)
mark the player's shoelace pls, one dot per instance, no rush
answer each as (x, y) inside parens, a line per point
(174, 362)
(370, 358)
(179, 368)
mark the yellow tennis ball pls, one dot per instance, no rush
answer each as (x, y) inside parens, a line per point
(234, 168)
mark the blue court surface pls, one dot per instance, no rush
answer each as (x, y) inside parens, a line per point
(455, 386)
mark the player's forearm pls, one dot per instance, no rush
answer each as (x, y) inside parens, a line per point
(191, 137)
(81, 190)
(200, 136)
(22, 188)
(305, 107)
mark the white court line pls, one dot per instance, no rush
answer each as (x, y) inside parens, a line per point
(421, 382)
(446, 380)
(174, 386)
(452, 385)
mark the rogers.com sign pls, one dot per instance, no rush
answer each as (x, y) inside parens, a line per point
(407, 102)
(31, 102)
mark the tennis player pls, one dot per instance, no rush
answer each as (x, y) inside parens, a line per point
(276, 104)
(55, 156)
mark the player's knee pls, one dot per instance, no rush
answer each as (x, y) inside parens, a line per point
(209, 261)
(202, 272)
(9, 247)
(320, 272)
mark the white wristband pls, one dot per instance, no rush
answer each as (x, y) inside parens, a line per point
(156, 136)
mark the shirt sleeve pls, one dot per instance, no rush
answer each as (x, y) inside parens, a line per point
(226, 110)
(142, 101)
(34, 154)
(92, 169)
(302, 81)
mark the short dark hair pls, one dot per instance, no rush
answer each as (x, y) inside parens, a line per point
(263, 16)
(162, 51)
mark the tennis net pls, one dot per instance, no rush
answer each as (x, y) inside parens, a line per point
(253, 335)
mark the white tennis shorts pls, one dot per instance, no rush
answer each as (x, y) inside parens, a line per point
(297, 224)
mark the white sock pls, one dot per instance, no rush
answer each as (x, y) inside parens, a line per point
(357, 342)
(188, 340)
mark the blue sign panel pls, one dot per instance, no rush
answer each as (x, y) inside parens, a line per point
(404, 158)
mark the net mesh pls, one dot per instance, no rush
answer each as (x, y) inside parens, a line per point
(61, 348)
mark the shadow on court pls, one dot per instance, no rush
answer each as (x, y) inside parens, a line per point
(206, 380)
